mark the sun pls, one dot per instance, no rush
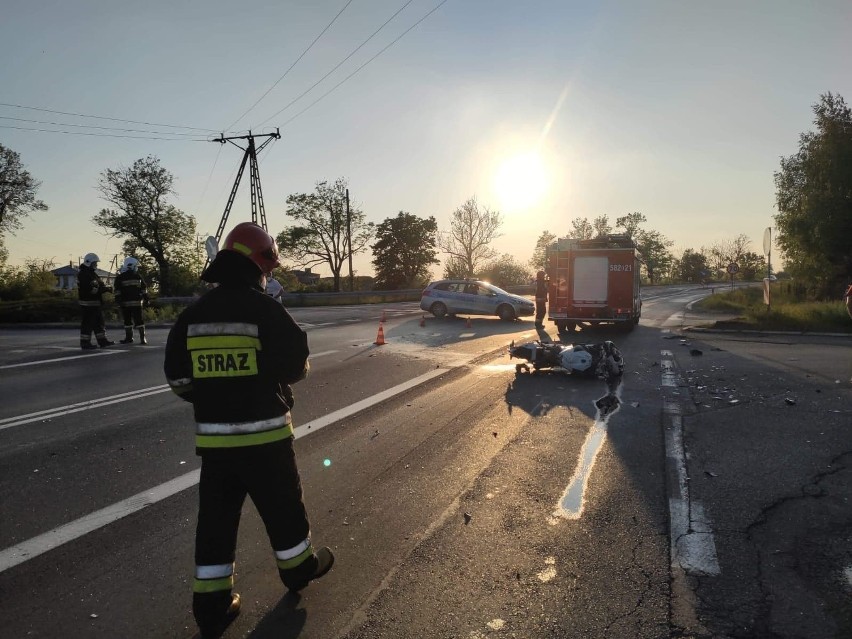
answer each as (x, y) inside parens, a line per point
(521, 181)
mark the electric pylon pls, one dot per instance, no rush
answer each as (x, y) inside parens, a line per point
(250, 157)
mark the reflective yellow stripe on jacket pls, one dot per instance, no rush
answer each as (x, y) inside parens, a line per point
(220, 435)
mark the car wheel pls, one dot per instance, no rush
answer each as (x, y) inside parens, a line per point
(438, 309)
(506, 313)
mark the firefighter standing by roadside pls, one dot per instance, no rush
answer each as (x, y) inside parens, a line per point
(90, 290)
(541, 285)
(233, 354)
(131, 292)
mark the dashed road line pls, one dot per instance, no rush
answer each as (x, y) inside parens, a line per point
(62, 359)
(692, 546)
(36, 546)
(53, 413)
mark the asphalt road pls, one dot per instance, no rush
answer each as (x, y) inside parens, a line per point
(461, 499)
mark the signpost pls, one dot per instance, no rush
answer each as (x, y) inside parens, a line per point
(767, 251)
(733, 267)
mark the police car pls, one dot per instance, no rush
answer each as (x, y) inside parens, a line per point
(473, 297)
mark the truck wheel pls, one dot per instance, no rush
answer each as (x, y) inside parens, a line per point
(506, 313)
(438, 309)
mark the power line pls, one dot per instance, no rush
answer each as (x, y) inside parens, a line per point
(209, 177)
(337, 66)
(93, 126)
(438, 6)
(101, 135)
(291, 66)
(103, 117)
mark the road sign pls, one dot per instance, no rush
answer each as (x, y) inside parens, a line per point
(767, 241)
(733, 268)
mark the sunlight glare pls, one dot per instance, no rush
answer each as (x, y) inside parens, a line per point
(521, 181)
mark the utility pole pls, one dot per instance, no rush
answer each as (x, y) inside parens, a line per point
(249, 156)
(349, 242)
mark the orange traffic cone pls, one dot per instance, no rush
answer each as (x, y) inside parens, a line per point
(423, 321)
(468, 325)
(380, 338)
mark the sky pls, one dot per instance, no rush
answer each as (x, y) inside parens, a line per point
(545, 110)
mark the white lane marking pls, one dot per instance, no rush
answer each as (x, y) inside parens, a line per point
(62, 359)
(36, 546)
(669, 376)
(343, 413)
(570, 505)
(52, 413)
(314, 355)
(692, 546)
(31, 548)
(848, 574)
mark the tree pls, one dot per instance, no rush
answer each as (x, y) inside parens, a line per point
(814, 200)
(652, 245)
(725, 252)
(143, 217)
(601, 226)
(472, 229)
(321, 238)
(656, 258)
(17, 191)
(539, 258)
(404, 250)
(692, 267)
(581, 229)
(505, 271)
(752, 267)
(455, 268)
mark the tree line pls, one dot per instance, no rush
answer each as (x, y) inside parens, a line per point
(813, 227)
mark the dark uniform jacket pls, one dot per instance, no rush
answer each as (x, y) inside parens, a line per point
(90, 287)
(541, 289)
(233, 354)
(130, 289)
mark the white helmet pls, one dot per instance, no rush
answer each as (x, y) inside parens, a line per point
(91, 259)
(130, 264)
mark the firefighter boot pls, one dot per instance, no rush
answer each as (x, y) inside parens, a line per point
(128, 335)
(214, 612)
(142, 339)
(86, 345)
(103, 343)
(312, 568)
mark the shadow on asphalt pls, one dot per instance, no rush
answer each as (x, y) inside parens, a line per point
(285, 621)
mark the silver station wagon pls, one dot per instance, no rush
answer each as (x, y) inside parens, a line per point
(473, 297)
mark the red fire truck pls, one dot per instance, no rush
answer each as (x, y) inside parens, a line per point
(594, 282)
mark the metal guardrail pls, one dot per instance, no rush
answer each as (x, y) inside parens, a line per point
(345, 297)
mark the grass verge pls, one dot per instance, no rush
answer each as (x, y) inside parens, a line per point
(783, 314)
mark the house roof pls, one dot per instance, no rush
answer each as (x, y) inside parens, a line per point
(73, 270)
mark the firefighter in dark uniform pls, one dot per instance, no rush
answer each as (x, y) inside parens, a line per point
(131, 292)
(233, 354)
(541, 285)
(90, 290)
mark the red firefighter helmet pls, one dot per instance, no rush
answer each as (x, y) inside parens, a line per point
(249, 239)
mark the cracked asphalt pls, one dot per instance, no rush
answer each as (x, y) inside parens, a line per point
(768, 432)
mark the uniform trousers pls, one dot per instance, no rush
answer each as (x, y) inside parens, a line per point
(92, 322)
(132, 316)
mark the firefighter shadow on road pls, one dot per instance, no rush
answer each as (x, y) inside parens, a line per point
(285, 621)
